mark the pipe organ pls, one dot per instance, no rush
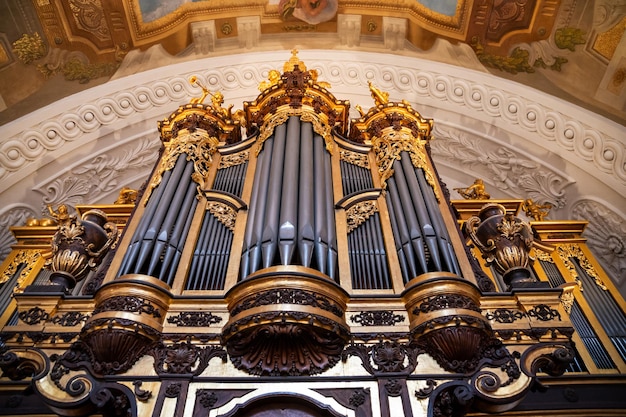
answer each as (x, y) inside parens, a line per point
(284, 258)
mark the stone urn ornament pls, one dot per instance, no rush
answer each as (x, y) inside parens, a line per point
(79, 245)
(505, 240)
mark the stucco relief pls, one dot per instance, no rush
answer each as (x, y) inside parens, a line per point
(12, 216)
(103, 174)
(606, 235)
(503, 167)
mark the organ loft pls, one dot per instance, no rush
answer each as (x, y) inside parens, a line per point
(287, 259)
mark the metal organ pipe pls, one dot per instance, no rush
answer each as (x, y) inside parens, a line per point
(445, 245)
(321, 238)
(306, 208)
(289, 197)
(272, 208)
(292, 206)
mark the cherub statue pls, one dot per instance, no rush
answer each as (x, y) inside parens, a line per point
(536, 211)
(127, 196)
(475, 191)
(61, 215)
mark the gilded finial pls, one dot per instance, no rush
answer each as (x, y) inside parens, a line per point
(380, 97)
(293, 61)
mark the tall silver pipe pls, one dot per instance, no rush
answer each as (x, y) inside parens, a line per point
(329, 205)
(397, 238)
(173, 212)
(417, 196)
(272, 205)
(306, 208)
(133, 249)
(259, 215)
(447, 250)
(405, 240)
(179, 236)
(288, 221)
(177, 240)
(381, 250)
(206, 252)
(149, 237)
(321, 228)
(197, 255)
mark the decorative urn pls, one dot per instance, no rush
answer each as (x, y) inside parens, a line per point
(79, 246)
(504, 240)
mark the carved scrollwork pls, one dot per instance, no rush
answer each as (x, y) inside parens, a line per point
(306, 115)
(71, 318)
(224, 213)
(184, 358)
(20, 363)
(128, 303)
(288, 296)
(359, 213)
(198, 146)
(194, 319)
(567, 252)
(388, 148)
(33, 316)
(552, 359)
(355, 158)
(543, 312)
(377, 318)
(504, 315)
(446, 301)
(384, 357)
(227, 161)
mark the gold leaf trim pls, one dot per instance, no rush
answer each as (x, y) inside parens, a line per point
(354, 158)
(28, 257)
(568, 251)
(391, 144)
(359, 213)
(223, 213)
(198, 146)
(305, 115)
(235, 159)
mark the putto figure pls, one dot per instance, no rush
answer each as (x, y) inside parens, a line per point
(475, 191)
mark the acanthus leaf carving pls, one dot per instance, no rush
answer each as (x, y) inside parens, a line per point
(512, 172)
(88, 181)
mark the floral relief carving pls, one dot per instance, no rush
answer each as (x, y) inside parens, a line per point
(89, 15)
(359, 213)
(606, 236)
(355, 158)
(509, 170)
(100, 175)
(15, 216)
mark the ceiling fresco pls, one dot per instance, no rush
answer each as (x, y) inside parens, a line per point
(571, 49)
